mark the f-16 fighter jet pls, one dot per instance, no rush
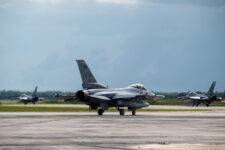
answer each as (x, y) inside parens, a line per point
(100, 98)
(206, 99)
(29, 98)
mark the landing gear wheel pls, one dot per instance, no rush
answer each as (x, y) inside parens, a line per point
(207, 105)
(122, 112)
(100, 112)
(133, 112)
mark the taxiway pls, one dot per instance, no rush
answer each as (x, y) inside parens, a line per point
(86, 130)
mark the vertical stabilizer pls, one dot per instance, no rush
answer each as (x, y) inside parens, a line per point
(211, 89)
(89, 81)
(35, 92)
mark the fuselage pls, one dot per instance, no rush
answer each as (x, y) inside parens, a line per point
(197, 99)
(130, 97)
(27, 98)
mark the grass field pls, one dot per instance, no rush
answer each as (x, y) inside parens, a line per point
(9, 102)
(171, 102)
(175, 102)
(70, 109)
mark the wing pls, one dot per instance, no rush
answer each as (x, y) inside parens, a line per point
(195, 97)
(103, 98)
(147, 97)
(126, 95)
(198, 97)
(103, 101)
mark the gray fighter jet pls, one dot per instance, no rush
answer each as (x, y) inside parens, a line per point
(29, 98)
(100, 98)
(206, 99)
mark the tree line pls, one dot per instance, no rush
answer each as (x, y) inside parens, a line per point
(12, 95)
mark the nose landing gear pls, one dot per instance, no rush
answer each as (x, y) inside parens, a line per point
(133, 112)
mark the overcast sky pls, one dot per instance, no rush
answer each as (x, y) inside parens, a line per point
(167, 45)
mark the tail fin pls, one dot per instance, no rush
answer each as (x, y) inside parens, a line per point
(35, 91)
(211, 89)
(89, 81)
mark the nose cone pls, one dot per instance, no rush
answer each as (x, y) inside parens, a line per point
(145, 104)
(151, 94)
(219, 98)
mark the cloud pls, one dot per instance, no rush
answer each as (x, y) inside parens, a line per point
(124, 2)
(53, 2)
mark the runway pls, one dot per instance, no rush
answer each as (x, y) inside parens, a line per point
(87, 131)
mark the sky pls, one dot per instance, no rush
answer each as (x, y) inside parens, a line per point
(169, 46)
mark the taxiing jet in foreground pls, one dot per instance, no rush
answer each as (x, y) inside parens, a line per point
(29, 98)
(206, 99)
(100, 98)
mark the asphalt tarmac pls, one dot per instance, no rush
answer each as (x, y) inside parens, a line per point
(149, 107)
(86, 131)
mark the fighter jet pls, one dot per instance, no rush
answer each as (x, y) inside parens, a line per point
(29, 98)
(206, 99)
(100, 98)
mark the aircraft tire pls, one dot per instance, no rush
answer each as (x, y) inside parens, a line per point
(100, 112)
(122, 112)
(133, 112)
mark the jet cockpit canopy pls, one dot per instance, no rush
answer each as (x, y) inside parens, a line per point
(192, 93)
(23, 95)
(138, 86)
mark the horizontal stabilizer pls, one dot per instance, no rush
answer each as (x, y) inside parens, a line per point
(67, 98)
(182, 97)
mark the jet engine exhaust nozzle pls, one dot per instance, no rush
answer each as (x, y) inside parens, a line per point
(82, 94)
(214, 97)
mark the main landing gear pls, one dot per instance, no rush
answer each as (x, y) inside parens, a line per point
(133, 110)
(122, 112)
(100, 111)
(195, 104)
